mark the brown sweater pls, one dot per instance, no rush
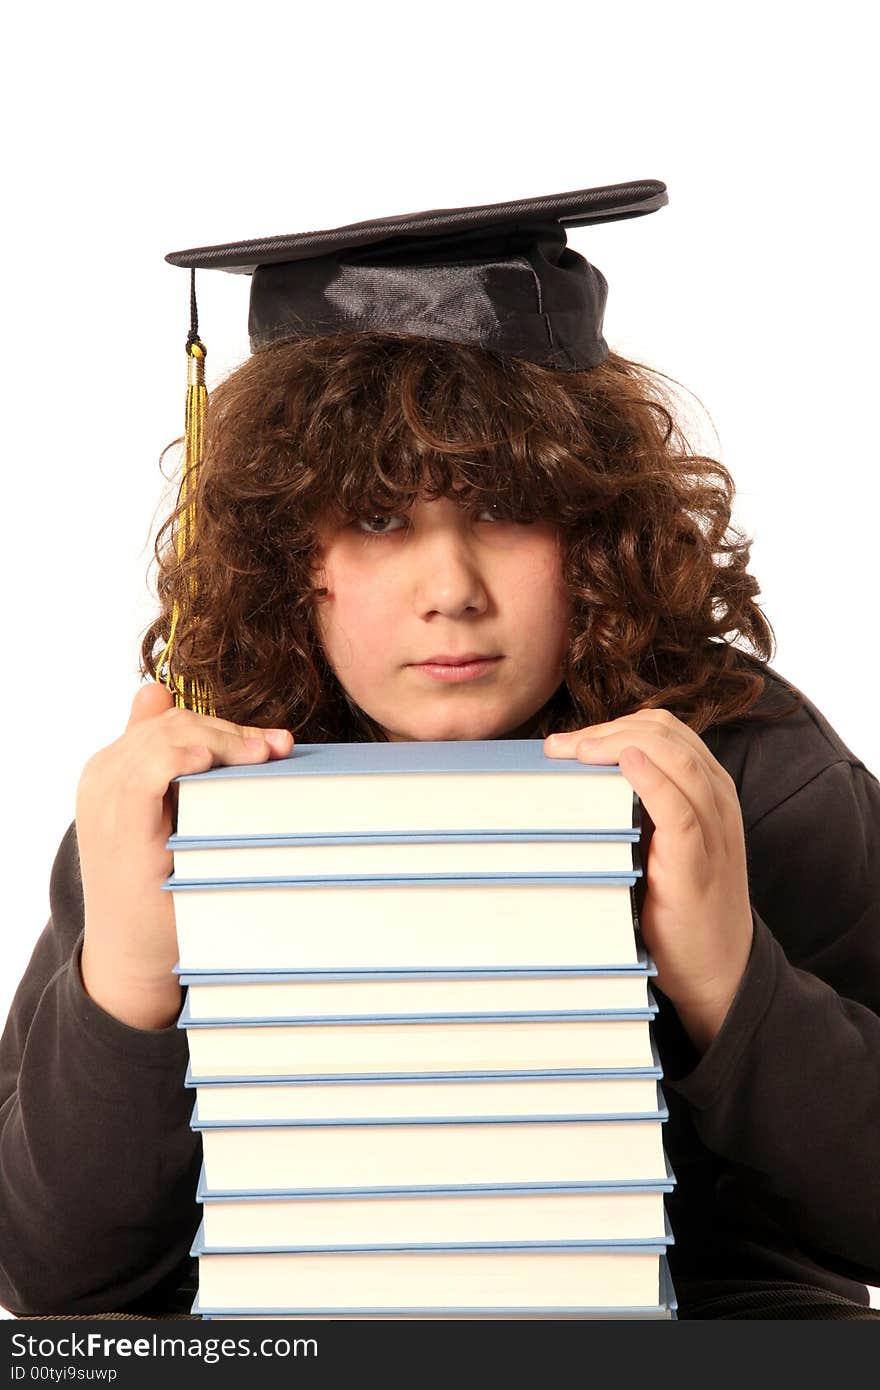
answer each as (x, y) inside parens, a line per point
(774, 1134)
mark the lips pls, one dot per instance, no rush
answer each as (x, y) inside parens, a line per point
(444, 659)
(457, 670)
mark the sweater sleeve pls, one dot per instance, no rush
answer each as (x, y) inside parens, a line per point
(98, 1165)
(788, 1090)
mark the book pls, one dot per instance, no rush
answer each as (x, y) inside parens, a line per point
(499, 1275)
(410, 787)
(240, 1221)
(272, 996)
(417, 1043)
(403, 1153)
(419, 1023)
(665, 1308)
(465, 1097)
(483, 923)
(383, 856)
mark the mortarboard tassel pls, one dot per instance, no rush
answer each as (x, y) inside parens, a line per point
(192, 693)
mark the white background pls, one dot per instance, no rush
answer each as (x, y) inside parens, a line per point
(130, 133)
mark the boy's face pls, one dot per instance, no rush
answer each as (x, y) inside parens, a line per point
(443, 579)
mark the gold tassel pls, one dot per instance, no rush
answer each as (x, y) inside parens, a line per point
(192, 693)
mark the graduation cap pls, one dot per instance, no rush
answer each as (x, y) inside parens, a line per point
(499, 276)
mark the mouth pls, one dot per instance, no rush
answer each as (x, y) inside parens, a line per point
(464, 668)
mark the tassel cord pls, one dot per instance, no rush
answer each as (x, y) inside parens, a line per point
(192, 693)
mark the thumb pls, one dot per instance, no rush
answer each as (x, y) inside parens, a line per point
(150, 700)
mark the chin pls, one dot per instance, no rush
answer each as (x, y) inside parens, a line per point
(461, 729)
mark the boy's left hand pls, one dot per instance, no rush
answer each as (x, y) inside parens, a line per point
(696, 916)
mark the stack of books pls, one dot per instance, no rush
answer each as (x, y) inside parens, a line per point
(418, 1017)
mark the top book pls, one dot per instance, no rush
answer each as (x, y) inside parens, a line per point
(487, 785)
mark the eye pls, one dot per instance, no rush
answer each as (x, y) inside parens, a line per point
(497, 511)
(367, 521)
(494, 512)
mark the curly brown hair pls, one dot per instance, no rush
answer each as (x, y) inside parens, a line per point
(355, 423)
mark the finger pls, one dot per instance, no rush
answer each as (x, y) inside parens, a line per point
(659, 720)
(681, 766)
(659, 723)
(152, 762)
(146, 781)
(724, 789)
(229, 746)
(672, 812)
(154, 700)
(151, 699)
(192, 727)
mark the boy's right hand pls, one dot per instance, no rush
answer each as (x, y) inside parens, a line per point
(125, 811)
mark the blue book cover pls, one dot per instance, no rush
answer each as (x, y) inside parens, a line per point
(374, 854)
(515, 755)
(307, 1194)
(643, 966)
(228, 977)
(175, 885)
(402, 837)
(655, 1246)
(469, 802)
(557, 1073)
(185, 1020)
(550, 1074)
(660, 1114)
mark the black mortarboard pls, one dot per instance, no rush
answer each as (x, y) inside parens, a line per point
(498, 276)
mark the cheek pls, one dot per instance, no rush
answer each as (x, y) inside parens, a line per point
(356, 606)
(540, 593)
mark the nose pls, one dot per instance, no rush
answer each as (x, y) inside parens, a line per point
(448, 577)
